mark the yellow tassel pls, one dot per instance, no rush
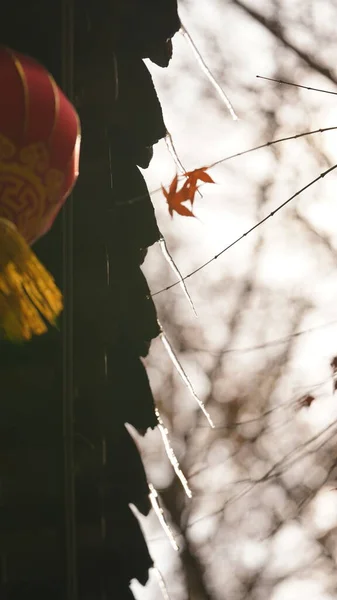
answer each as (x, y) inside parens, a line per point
(28, 294)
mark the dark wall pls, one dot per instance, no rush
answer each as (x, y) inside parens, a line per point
(113, 318)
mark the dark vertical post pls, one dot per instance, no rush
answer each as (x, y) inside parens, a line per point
(68, 383)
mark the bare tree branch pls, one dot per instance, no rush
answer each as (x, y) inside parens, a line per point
(192, 567)
(276, 30)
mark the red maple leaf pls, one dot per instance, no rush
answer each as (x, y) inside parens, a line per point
(192, 178)
(175, 198)
(199, 174)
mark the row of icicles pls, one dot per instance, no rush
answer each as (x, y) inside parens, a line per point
(175, 204)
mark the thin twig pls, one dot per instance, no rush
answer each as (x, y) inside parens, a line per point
(271, 344)
(272, 143)
(237, 154)
(237, 240)
(304, 87)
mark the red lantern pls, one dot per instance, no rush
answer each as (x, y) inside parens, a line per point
(39, 155)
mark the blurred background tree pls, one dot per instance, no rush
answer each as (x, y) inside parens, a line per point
(262, 521)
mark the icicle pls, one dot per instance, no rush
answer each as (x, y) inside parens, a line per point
(162, 584)
(208, 73)
(183, 375)
(160, 514)
(171, 148)
(171, 455)
(176, 271)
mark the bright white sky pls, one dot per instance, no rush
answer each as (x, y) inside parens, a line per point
(291, 265)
